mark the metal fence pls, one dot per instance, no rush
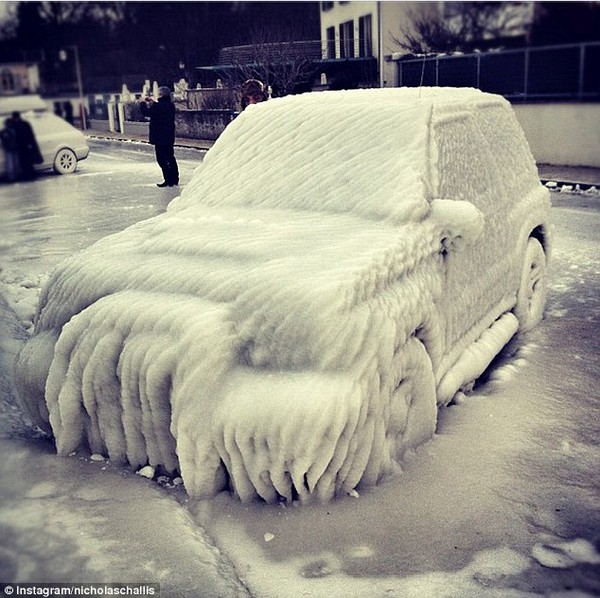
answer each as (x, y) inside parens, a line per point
(545, 73)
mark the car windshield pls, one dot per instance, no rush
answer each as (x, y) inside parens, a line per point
(335, 153)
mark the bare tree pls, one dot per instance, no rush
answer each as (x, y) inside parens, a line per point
(9, 22)
(463, 26)
(273, 57)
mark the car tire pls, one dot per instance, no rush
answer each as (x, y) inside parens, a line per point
(408, 407)
(531, 297)
(65, 161)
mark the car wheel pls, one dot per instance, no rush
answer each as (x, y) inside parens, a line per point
(65, 161)
(531, 297)
(409, 410)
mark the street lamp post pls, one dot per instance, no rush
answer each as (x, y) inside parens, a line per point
(63, 56)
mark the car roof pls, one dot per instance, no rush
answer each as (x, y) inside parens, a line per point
(436, 96)
(364, 151)
(21, 103)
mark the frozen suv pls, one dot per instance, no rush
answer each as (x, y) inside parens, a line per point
(62, 145)
(340, 265)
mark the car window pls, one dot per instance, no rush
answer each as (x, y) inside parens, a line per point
(516, 168)
(465, 164)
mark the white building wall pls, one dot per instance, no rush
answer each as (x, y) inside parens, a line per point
(396, 17)
(345, 11)
(33, 76)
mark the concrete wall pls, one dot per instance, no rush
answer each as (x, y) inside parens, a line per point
(562, 134)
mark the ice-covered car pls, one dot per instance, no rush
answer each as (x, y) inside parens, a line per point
(61, 144)
(340, 265)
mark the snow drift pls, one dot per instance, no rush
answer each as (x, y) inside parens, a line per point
(289, 325)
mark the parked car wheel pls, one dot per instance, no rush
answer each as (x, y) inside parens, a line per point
(412, 411)
(531, 297)
(65, 161)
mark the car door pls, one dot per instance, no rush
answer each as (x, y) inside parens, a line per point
(475, 273)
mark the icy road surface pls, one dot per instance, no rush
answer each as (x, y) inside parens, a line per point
(504, 502)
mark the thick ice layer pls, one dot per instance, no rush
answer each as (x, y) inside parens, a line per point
(280, 328)
(177, 362)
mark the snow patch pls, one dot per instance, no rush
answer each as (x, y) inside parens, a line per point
(563, 555)
(146, 472)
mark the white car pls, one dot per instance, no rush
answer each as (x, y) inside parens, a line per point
(62, 146)
(339, 267)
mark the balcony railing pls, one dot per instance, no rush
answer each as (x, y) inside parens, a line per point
(314, 50)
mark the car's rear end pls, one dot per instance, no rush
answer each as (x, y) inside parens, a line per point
(62, 145)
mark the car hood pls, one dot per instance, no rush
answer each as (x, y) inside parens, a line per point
(283, 275)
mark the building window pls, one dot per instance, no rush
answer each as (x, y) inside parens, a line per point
(7, 80)
(330, 50)
(365, 36)
(326, 6)
(347, 39)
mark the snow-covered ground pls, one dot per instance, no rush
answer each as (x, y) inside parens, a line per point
(502, 502)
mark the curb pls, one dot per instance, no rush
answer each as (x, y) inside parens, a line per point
(557, 184)
(201, 145)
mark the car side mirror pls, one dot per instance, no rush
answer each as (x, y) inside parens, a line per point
(460, 223)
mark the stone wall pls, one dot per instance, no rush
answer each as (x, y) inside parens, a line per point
(136, 128)
(98, 125)
(189, 124)
(202, 124)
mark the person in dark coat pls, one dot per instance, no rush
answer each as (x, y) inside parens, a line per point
(68, 109)
(162, 134)
(8, 136)
(27, 147)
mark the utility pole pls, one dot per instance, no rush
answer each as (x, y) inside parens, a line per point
(80, 88)
(63, 56)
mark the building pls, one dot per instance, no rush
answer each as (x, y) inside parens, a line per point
(354, 31)
(17, 78)
(354, 36)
